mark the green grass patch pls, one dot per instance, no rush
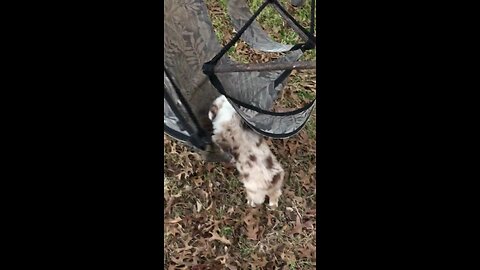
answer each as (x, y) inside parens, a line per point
(311, 127)
(226, 231)
(306, 95)
(244, 247)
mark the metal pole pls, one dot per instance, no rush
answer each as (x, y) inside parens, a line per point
(265, 66)
(290, 23)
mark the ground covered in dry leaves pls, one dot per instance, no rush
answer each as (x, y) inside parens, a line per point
(208, 224)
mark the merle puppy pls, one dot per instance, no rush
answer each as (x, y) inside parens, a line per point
(260, 172)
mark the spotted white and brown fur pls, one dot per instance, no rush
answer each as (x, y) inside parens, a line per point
(259, 170)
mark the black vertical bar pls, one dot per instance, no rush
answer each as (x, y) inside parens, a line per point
(312, 19)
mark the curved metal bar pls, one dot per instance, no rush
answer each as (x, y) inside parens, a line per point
(291, 23)
(254, 36)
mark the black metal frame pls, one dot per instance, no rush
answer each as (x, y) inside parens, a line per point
(264, 66)
(307, 36)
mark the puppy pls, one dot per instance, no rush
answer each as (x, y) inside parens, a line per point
(260, 172)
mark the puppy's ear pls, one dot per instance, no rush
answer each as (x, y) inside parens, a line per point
(213, 112)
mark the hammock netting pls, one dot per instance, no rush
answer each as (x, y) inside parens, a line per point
(193, 58)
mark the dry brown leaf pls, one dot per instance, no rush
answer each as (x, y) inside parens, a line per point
(172, 221)
(232, 267)
(252, 232)
(292, 147)
(298, 226)
(222, 258)
(182, 259)
(171, 230)
(186, 247)
(251, 225)
(308, 252)
(258, 261)
(303, 136)
(310, 225)
(216, 236)
(168, 206)
(177, 195)
(198, 181)
(289, 257)
(200, 267)
(210, 166)
(269, 219)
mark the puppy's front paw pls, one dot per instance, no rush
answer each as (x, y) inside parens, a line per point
(251, 203)
(273, 205)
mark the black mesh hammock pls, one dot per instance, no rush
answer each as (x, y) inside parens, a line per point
(197, 71)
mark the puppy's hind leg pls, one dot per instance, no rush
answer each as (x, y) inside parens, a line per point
(255, 198)
(250, 199)
(273, 196)
(275, 189)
